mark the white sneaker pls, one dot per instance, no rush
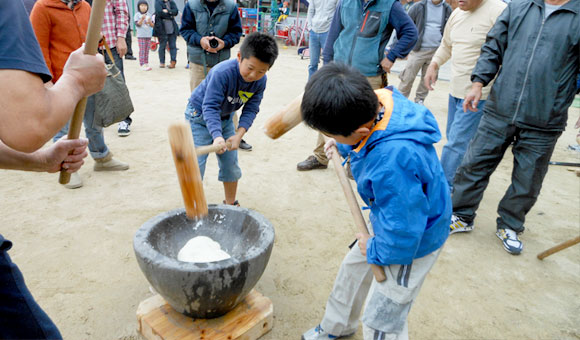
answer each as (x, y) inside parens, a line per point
(145, 67)
(124, 129)
(317, 333)
(510, 240)
(458, 225)
(75, 181)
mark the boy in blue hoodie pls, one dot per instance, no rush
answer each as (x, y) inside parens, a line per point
(228, 86)
(389, 141)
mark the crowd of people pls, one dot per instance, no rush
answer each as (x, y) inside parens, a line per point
(515, 70)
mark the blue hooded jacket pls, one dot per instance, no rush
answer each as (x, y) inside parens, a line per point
(399, 176)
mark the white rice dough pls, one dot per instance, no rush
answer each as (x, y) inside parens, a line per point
(202, 249)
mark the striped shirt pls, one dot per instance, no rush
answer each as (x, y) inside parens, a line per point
(115, 21)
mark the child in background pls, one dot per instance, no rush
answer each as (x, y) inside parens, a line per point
(389, 141)
(144, 24)
(284, 11)
(229, 86)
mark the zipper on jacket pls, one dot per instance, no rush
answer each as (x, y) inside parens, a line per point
(528, 69)
(364, 8)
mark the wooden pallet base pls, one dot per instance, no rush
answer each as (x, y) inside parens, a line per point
(251, 319)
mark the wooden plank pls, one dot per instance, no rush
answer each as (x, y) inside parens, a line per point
(251, 319)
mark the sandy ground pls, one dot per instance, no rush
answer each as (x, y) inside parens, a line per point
(75, 246)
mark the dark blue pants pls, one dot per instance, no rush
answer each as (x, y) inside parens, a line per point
(20, 316)
(163, 40)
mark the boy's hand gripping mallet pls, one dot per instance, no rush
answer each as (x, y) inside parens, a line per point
(359, 220)
(91, 45)
(187, 168)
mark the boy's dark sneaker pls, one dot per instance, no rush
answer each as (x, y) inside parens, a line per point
(130, 57)
(510, 240)
(459, 225)
(245, 146)
(311, 163)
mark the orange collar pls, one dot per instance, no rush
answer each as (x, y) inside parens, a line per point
(386, 99)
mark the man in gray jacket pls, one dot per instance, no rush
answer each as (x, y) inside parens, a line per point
(430, 17)
(534, 48)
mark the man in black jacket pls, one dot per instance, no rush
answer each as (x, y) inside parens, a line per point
(430, 17)
(534, 48)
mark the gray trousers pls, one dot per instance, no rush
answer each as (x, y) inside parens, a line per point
(532, 150)
(387, 303)
(417, 61)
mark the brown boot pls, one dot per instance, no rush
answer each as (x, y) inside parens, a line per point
(172, 64)
(310, 163)
(107, 163)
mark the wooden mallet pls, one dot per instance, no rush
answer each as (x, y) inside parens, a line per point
(285, 119)
(91, 45)
(359, 220)
(190, 181)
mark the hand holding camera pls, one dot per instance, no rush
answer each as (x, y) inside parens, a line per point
(211, 43)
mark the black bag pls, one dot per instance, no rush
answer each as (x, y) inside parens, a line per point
(113, 103)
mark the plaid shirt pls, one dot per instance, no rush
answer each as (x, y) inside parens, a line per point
(115, 21)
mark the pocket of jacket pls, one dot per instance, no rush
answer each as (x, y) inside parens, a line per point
(371, 24)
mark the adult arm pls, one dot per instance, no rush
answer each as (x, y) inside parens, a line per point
(188, 28)
(443, 52)
(51, 159)
(333, 32)
(173, 10)
(310, 14)
(492, 50)
(406, 32)
(121, 13)
(234, 32)
(41, 25)
(32, 114)
(399, 212)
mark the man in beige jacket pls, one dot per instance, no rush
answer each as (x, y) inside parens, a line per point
(463, 37)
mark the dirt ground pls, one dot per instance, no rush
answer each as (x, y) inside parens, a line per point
(75, 246)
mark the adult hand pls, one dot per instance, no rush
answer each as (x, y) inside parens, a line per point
(431, 76)
(88, 70)
(472, 99)
(386, 64)
(328, 147)
(121, 46)
(222, 143)
(56, 157)
(165, 10)
(362, 242)
(204, 43)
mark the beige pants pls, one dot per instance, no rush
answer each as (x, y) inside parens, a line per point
(196, 75)
(417, 61)
(376, 83)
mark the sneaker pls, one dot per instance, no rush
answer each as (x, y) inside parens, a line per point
(145, 67)
(124, 129)
(419, 101)
(107, 163)
(161, 65)
(130, 57)
(311, 163)
(459, 225)
(236, 203)
(317, 333)
(75, 181)
(187, 66)
(510, 240)
(245, 146)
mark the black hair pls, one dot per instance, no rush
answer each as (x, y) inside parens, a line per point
(338, 99)
(260, 45)
(142, 2)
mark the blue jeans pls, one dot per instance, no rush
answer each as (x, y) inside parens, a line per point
(228, 161)
(97, 146)
(163, 40)
(20, 316)
(315, 44)
(461, 127)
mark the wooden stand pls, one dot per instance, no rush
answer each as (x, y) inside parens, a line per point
(251, 319)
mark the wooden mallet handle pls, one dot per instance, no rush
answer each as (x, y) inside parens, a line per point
(187, 168)
(558, 247)
(205, 149)
(359, 220)
(91, 45)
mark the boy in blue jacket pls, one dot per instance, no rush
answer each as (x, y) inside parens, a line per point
(228, 86)
(389, 141)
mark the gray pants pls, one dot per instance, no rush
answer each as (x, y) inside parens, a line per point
(387, 303)
(532, 150)
(417, 61)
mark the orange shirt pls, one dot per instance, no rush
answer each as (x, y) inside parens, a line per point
(59, 31)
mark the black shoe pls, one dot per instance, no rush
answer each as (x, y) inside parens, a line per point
(311, 163)
(130, 57)
(245, 146)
